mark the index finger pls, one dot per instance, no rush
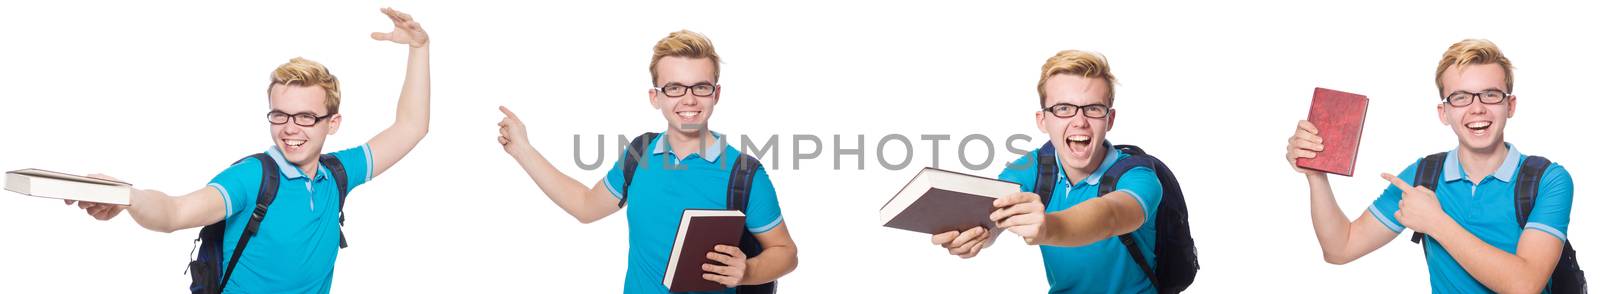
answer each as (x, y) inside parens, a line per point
(508, 113)
(1397, 182)
(1013, 199)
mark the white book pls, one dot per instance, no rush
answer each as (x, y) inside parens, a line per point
(49, 184)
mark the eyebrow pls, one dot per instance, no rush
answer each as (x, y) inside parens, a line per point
(690, 85)
(297, 113)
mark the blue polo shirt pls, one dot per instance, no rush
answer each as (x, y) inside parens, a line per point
(663, 186)
(1487, 209)
(294, 249)
(1103, 266)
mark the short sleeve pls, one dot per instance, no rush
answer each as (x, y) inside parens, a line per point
(1553, 209)
(238, 185)
(1388, 202)
(614, 180)
(1144, 186)
(762, 213)
(357, 165)
(1023, 171)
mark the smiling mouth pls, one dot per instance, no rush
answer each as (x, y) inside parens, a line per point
(688, 114)
(1078, 144)
(1479, 127)
(293, 144)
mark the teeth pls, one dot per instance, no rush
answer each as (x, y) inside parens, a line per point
(295, 143)
(1478, 125)
(688, 113)
(1078, 138)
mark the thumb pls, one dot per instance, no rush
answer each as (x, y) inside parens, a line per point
(380, 36)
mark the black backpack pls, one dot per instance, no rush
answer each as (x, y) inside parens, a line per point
(205, 271)
(1567, 277)
(1177, 262)
(743, 174)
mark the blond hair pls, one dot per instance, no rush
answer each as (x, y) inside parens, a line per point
(1471, 52)
(305, 73)
(687, 44)
(1079, 63)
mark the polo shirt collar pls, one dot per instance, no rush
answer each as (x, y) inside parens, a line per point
(290, 171)
(709, 153)
(1508, 167)
(1094, 178)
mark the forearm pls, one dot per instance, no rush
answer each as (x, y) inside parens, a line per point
(412, 112)
(1497, 269)
(1331, 225)
(562, 189)
(1082, 224)
(154, 210)
(774, 262)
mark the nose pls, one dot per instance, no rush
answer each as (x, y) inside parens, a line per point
(1078, 121)
(690, 99)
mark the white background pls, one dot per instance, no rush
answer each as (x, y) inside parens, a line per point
(165, 95)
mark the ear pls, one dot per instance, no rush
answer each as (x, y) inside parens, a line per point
(655, 101)
(716, 94)
(1511, 106)
(333, 123)
(1111, 119)
(1442, 119)
(1038, 120)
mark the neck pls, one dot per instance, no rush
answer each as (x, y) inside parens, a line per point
(684, 143)
(309, 169)
(1075, 175)
(1479, 163)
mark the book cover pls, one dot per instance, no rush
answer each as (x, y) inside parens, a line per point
(1339, 118)
(937, 201)
(699, 231)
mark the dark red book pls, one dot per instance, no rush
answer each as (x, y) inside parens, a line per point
(1339, 117)
(938, 201)
(698, 232)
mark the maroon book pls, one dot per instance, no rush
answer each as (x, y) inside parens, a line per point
(1339, 117)
(698, 232)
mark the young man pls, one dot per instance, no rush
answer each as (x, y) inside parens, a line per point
(1077, 232)
(1474, 243)
(294, 252)
(686, 167)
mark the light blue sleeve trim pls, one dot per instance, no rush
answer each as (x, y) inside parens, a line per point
(227, 202)
(768, 227)
(367, 149)
(613, 190)
(1547, 229)
(1137, 198)
(1389, 223)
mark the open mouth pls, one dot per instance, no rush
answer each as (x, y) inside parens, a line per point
(1078, 145)
(1479, 127)
(293, 145)
(688, 114)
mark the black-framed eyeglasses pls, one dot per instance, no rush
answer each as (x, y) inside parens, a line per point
(678, 90)
(304, 119)
(1488, 97)
(1068, 110)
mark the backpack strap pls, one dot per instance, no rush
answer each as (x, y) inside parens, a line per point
(1527, 186)
(264, 198)
(1044, 183)
(630, 161)
(1108, 183)
(341, 178)
(740, 181)
(1427, 176)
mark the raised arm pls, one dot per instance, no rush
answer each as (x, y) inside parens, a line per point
(411, 115)
(1342, 240)
(587, 204)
